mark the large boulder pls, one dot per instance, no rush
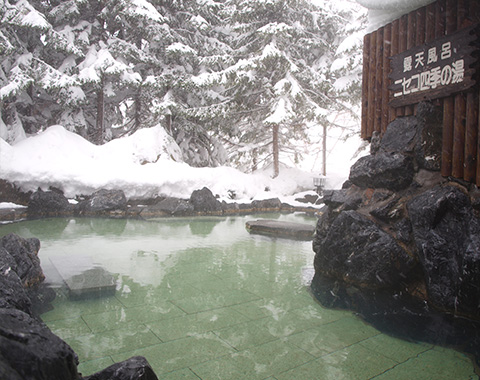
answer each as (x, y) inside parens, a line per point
(29, 350)
(394, 171)
(168, 207)
(205, 202)
(447, 236)
(359, 252)
(48, 203)
(103, 202)
(12, 290)
(25, 254)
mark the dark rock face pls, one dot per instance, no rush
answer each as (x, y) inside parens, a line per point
(169, 207)
(357, 251)
(204, 201)
(103, 201)
(25, 254)
(267, 204)
(10, 193)
(12, 291)
(135, 368)
(28, 348)
(447, 236)
(392, 171)
(48, 203)
(401, 244)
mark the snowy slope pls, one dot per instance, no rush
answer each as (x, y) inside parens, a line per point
(143, 165)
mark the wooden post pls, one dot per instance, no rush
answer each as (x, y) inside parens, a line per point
(394, 49)
(365, 90)
(458, 154)
(402, 46)
(458, 150)
(448, 103)
(387, 43)
(411, 38)
(471, 136)
(371, 85)
(377, 126)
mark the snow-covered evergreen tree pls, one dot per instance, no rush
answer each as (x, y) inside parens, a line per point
(30, 81)
(281, 78)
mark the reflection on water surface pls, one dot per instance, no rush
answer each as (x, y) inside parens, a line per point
(201, 298)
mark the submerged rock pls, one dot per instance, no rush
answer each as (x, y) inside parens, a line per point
(135, 368)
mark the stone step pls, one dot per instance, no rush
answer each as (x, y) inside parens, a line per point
(290, 230)
(83, 278)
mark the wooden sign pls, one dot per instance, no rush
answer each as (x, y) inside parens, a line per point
(436, 69)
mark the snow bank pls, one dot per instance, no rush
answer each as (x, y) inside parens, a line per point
(143, 165)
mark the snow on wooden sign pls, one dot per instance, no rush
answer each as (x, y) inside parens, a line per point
(435, 69)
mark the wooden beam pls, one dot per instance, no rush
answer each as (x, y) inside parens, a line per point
(387, 43)
(471, 136)
(379, 68)
(448, 103)
(394, 50)
(371, 84)
(365, 91)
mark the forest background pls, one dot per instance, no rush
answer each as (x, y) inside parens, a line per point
(245, 83)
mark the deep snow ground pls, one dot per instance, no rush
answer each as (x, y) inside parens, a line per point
(145, 165)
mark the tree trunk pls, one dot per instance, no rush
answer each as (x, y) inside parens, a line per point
(276, 162)
(168, 124)
(97, 136)
(324, 152)
(138, 110)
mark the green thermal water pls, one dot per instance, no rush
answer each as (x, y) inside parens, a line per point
(203, 299)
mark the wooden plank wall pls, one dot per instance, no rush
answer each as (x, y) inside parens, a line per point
(461, 120)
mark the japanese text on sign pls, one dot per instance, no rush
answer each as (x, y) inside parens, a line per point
(449, 73)
(435, 69)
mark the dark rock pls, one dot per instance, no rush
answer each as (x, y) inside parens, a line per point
(393, 171)
(204, 201)
(168, 207)
(400, 135)
(271, 204)
(356, 251)
(308, 198)
(429, 139)
(25, 254)
(389, 211)
(11, 193)
(375, 143)
(12, 291)
(403, 230)
(230, 207)
(103, 201)
(28, 348)
(447, 236)
(135, 368)
(348, 198)
(48, 203)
